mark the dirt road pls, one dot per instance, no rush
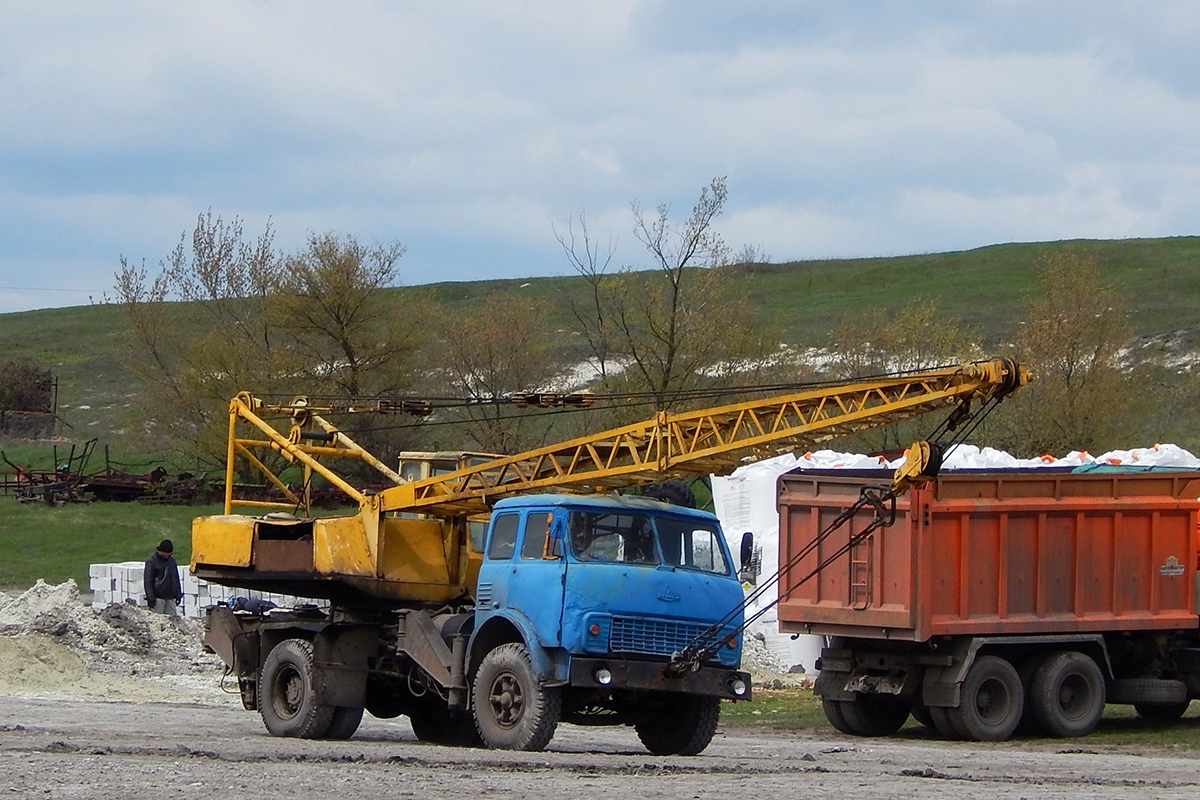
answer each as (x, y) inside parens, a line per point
(76, 747)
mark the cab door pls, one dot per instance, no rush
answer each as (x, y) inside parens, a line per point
(529, 577)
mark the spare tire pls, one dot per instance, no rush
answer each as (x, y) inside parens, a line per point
(675, 492)
(1134, 691)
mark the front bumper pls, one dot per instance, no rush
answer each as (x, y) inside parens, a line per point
(653, 676)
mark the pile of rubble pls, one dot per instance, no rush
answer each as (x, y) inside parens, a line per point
(767, 670)
(52, 640)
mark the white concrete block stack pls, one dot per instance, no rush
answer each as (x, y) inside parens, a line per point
(121, 582)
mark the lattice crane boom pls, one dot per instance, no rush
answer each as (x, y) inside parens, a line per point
(714, 440)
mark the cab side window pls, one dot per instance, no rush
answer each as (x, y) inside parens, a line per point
(504, 537)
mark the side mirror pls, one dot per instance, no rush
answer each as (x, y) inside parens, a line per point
(751, 561)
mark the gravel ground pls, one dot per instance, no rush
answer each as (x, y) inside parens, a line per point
(117, 702)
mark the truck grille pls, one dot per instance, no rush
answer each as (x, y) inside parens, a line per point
(652, 636)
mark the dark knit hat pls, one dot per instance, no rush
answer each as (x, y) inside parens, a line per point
(166, 546)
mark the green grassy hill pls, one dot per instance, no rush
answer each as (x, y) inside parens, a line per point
(1159, 280)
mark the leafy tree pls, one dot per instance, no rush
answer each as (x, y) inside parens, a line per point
(1073, 340)
(330, 305)
(25, 386)
(916, 337)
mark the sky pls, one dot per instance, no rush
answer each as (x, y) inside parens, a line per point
(470, 132)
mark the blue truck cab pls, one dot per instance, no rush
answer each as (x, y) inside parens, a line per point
(580, 605)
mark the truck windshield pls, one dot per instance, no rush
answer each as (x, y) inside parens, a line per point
(640, 539)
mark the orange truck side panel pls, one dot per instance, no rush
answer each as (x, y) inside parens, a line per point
(995, 552)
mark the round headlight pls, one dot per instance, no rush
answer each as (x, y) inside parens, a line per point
(738, 687)
(603, 676)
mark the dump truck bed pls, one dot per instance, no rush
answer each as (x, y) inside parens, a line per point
(995, 552)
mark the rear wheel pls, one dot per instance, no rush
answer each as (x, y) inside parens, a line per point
(1026, 669)
(432, 722)
(922, 715)
(833, 713)
(992, 700)
(683, 726)
(943, 723)
(512, 711)
(286, 699)
(344, 723)
(1150, 691)
(1067, 694)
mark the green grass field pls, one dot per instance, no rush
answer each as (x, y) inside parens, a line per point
(59, 542)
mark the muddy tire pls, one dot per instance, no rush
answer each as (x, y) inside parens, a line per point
(992, 701)
(344, 723)
(1067, 694)
(1026, 668)
(512, 711)
(683, 728)
(286, 699)
(942, 722)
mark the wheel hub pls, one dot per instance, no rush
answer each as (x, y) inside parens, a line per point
(289, 694)
(506, 700)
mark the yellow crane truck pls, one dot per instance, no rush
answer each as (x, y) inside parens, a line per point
(495, 599)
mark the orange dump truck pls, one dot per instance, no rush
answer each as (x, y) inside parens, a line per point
(997, 600)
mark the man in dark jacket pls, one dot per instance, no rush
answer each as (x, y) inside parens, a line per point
(161, 580)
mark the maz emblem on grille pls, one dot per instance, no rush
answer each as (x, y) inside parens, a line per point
(666, 595)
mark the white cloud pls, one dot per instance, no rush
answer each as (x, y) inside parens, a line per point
(464, 129)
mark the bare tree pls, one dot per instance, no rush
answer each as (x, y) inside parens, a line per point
(677, 327)
(489, 356)
(199, 352)
(590, 260)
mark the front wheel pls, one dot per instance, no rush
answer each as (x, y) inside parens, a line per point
(512, 711)
(286, 699)
(875, 714)
(682, 727)
(991, 703)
